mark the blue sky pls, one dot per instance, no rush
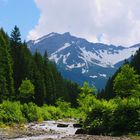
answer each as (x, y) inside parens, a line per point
(22, 13)
(105, 21)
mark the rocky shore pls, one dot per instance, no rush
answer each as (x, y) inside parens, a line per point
(49, 130)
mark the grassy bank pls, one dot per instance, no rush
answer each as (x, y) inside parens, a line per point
(134, 137)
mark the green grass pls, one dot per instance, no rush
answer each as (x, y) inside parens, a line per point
(134, 137)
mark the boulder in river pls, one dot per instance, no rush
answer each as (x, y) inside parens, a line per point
(80, 131)
(77, 125)
(62, 125)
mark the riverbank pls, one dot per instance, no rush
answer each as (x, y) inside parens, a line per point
(49, 130)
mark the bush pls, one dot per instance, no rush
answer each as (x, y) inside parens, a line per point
(99, 119)
(66, 110)
(10, 112)
(55, 112)
(45, 114)
(127, 116)
(32, 112)
(114, 117)
(64, 106)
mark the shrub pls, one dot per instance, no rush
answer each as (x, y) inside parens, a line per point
(10, 112)
(99, 119)
(55, 112)
(114, 117)
(32, 112)
(126, 117)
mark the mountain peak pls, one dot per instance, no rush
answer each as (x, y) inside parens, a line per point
(135, 46)
(67, 34)
(77, 58)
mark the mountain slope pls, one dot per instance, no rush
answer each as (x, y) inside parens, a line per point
(80, 60)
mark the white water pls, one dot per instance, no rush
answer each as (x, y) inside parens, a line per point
(47, 126)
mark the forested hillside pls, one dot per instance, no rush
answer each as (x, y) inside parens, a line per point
(30, 77)
(108, 92)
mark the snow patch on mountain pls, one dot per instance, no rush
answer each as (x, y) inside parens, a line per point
(102, 75)
(65, 57)
(83, 70)
(66, 45)
(79, 65)
(55, 57)
(117, 56)
(37, 41)
(94, 76)
(45, 37)
(50, 35)
(90, 57)
(106, 58)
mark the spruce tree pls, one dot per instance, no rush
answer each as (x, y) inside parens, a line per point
(38, 81)
(16, 37)
(6, 84)
(15, 46)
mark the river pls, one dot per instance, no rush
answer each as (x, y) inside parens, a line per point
(52, 130)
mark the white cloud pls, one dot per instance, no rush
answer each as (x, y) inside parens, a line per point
(107, 21)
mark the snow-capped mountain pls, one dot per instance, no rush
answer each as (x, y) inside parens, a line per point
(80, 60)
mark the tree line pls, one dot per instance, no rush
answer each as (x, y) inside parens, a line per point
(30, 77)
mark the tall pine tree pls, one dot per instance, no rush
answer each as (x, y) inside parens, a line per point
(38, 81)
(6, 80)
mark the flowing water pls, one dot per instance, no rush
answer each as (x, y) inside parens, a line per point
(52, 130)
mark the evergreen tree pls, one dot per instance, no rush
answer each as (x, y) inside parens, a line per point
(16, 37)
(48, 79)
(136, 62)
(15, 46)
(22, 59)
(73, 90)
(6, 84)
(38, 80)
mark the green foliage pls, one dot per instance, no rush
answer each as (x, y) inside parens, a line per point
(32, 112)
(86, 99)
(10, 112)
(38, 80)
(136, 61)
(26, 90)
(115, 117)
(100, 117)
(108, 92)
(73, 91)
(14, 112)
(126, 82)
(127, 116)
(66, 110)
(55, 113)
(86, 89)
(64, 106)
(6, 79)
